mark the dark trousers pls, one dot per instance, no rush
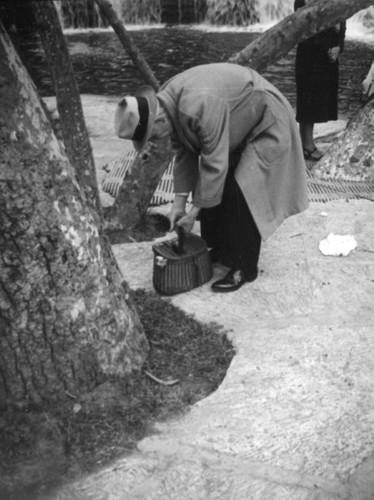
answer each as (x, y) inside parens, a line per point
(230, 230)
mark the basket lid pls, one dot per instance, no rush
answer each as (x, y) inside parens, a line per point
(193, 245)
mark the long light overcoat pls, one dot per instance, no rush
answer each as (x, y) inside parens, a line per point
(214, 108)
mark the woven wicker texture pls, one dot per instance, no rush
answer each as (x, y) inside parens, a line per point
(175, 272)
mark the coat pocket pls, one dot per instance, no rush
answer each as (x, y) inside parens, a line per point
(272, 142)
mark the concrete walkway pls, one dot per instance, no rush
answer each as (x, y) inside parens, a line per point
(294, 416)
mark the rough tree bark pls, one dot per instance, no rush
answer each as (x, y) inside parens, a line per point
(133, 200)
(73, 127)
(351, 158)
(66, 318)
(111, 16)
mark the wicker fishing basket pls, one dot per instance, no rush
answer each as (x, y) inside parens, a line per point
(180, 264)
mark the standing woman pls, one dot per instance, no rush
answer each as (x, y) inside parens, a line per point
(317, 80)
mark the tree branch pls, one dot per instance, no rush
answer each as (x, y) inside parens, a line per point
(277, 41)
(110, 14)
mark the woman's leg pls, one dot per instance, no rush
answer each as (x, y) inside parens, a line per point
(307, 138)
(306, 134)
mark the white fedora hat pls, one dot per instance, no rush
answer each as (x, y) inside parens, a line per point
(135, 116)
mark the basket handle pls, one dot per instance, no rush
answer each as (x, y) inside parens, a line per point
(180, 246)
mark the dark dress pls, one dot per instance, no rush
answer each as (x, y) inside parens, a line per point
(317, 77)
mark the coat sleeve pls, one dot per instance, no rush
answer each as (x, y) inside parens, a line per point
(186, 171)
(206, 118)
(211, 127)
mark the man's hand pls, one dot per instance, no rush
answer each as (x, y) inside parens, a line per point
(188, 220)
(178, 209)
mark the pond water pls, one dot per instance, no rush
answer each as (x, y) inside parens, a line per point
(102, 66)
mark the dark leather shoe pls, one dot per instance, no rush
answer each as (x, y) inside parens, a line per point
(233, 280)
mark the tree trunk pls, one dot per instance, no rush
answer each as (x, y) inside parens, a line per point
(277, 41)
(73, 127)
(137, 189)
(110, 14)
(351, 158)
(67, 321)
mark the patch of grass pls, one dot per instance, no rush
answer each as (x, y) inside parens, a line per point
(38, 451)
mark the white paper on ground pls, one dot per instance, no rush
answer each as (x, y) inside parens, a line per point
(336, 244)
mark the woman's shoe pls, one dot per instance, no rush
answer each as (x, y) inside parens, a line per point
(314, 155)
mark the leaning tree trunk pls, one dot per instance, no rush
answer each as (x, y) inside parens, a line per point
(67, 320)
(137, 57)
(351, 158)
(73, 127)
(137, 190)
(138, 186)
(277, 41)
